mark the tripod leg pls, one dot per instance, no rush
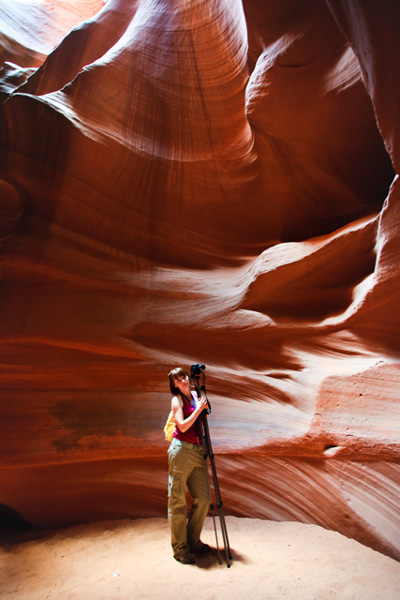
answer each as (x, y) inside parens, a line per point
(212, 506)
(208, 452)
(224, 530)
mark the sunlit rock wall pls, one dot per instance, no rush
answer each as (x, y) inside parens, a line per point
(201, 181)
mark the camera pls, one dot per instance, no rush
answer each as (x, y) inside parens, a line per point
(195, 370)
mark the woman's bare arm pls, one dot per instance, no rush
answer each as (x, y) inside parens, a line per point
(182, 423)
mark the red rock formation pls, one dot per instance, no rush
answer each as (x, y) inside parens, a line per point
(203, 181)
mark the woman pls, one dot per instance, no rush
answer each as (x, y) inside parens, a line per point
(187, 467)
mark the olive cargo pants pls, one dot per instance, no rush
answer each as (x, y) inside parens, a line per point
(187, 467)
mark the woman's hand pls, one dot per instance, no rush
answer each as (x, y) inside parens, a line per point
(202, 404)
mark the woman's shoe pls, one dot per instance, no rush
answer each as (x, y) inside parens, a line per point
(186, 559)
(201, 548)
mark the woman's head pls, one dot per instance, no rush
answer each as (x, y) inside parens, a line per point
(174, 376)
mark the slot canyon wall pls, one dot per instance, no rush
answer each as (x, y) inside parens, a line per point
(207, 181)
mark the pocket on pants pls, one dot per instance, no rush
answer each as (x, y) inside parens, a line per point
(177, 457)
(174, 486)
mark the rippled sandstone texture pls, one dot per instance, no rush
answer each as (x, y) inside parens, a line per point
(203, 181)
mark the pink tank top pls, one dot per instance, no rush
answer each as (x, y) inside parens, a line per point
(193, 434)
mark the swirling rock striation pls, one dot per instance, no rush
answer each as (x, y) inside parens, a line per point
(203, 181)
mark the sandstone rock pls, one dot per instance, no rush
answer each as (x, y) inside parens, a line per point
(214, 182)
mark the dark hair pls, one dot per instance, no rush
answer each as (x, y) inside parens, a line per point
(177, 372)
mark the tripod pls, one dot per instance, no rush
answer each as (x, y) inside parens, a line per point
(208, 451)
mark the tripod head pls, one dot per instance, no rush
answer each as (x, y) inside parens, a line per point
(197, 372)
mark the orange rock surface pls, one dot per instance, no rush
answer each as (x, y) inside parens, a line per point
(203, 181)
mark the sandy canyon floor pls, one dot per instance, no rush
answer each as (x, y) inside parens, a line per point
(128, 560)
